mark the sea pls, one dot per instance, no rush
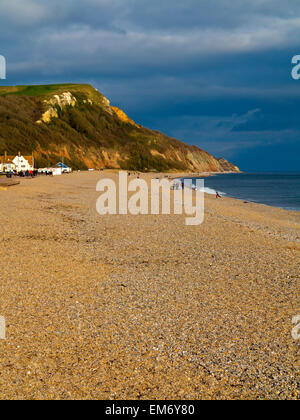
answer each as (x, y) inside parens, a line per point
(272, 189)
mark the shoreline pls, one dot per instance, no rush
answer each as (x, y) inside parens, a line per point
(15, 182)
(244, 200)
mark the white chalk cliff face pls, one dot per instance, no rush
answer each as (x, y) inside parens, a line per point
(105, 103)
(62, 100)
(65, 99)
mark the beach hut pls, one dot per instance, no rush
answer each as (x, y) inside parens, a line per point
(65, 168)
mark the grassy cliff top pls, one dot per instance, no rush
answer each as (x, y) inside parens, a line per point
(80, 91)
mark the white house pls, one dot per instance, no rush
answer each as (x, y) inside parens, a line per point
(16, 163)
(24, 163)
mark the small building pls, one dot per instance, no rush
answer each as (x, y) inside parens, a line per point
(16, 163)
(24, 163)
(65, 168)
(7, 163)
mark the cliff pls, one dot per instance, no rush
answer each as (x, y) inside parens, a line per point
(78, 123)
(228, 166)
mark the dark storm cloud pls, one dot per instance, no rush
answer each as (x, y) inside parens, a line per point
(197, 69)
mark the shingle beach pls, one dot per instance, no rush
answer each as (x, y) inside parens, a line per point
(145, 307)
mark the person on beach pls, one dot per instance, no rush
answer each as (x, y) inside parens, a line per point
(218, 195)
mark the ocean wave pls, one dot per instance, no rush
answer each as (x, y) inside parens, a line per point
(211, 191)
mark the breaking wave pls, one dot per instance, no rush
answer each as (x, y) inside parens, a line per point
(211, 191)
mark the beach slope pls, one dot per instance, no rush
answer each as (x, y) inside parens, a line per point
(145, 307)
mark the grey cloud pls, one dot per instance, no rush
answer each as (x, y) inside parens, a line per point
(117, 36)
(201, 64)
(23, 12)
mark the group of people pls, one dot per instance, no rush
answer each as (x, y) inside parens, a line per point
(28, 174)
(32, 173)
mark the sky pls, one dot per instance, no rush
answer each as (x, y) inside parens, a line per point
(216, 74)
